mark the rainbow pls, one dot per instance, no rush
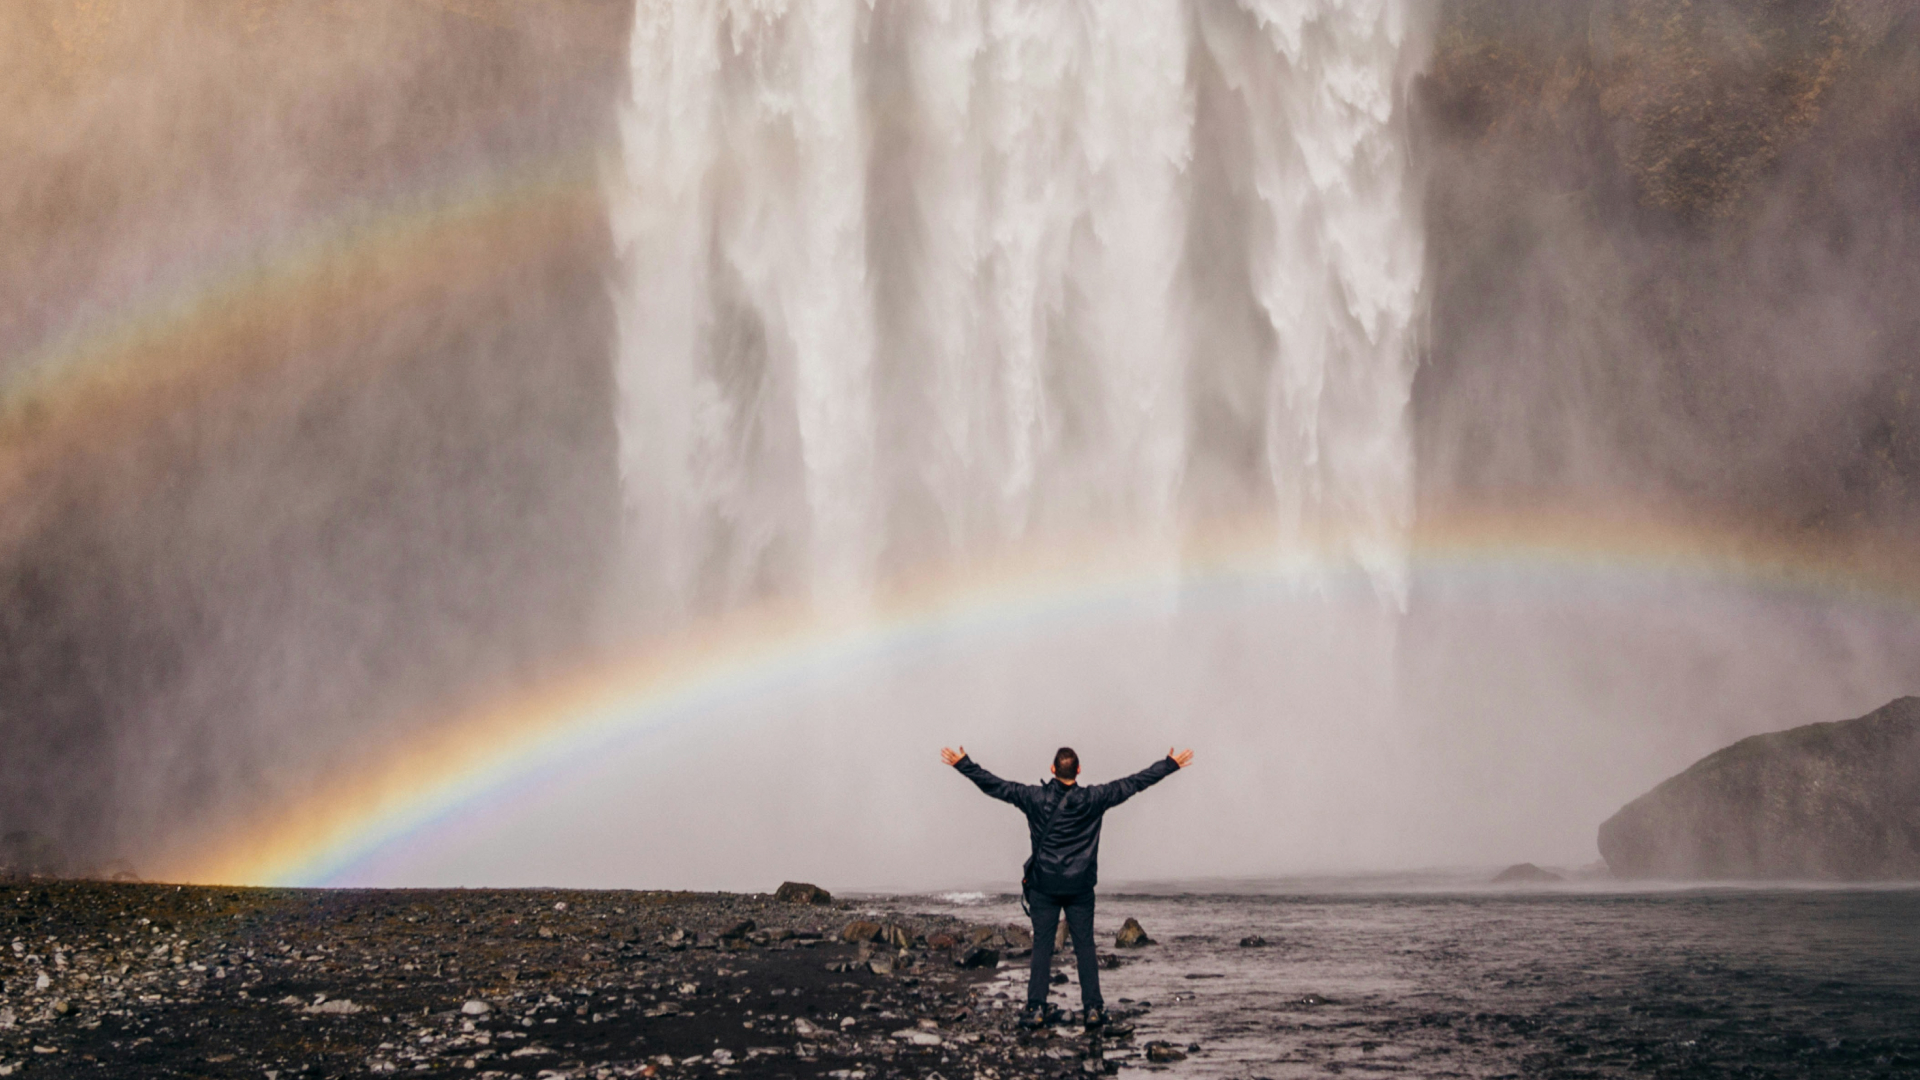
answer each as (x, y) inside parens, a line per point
(82, 393)
(474, 758)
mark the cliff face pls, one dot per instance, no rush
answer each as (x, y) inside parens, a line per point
(1672, 249)
(1833, 802)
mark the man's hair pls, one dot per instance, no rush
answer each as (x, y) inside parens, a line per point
(1066, 763)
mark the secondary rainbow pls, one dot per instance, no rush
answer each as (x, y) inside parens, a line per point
(93, 382)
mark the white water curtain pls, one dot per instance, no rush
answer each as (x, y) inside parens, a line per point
(908, 282)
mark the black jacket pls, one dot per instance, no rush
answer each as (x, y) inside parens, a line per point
(1067, 859)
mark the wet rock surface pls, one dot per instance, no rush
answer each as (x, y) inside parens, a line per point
(126, 979)
(1836, 801)
(1131, 935)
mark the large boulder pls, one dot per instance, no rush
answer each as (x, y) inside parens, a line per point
(801, 892)
(860, 930)
(1837, 801)
(1525, 874)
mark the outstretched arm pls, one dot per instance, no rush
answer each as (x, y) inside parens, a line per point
(1119, 791)
(1004, 790)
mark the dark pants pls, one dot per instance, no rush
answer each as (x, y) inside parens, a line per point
(1046, 918)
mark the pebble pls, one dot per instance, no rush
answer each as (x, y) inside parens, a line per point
(917, 1037)
(1162, 1053)
(571, 986)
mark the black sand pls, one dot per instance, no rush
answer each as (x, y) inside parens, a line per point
(111, 979)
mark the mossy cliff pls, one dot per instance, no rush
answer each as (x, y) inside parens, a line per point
(1673, 247)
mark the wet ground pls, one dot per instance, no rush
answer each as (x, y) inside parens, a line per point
(120, 980)
(1570, 982)
(148, 980)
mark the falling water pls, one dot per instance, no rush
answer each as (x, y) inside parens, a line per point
(909, 283)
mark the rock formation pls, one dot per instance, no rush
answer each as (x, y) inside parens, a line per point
(1637, 213)
(801, 892)
(1833, 802)
(1525, 874)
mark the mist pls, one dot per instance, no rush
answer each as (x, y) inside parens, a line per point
(858, 295)
(275, 493)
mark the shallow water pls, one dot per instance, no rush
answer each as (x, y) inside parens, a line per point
(1709, 982)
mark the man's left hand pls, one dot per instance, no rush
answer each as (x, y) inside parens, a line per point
(952, 757)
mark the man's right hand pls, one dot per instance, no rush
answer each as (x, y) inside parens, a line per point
(953, 757)
(1182, 758)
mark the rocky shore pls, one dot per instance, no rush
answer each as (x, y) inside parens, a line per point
(123, 979)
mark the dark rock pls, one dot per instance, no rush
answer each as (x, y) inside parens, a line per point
(1253, 941)
(1835, 801)
(860, 930)
(1525, 874)
(800, 892)
(942, 941)
(977, 956)
(738, 930)
(1019, 940)
(1131, 935)
(1162, 1053)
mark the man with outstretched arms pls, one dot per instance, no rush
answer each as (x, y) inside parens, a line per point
(1063, 820)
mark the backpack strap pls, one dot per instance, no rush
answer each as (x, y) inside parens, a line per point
(1033, 860)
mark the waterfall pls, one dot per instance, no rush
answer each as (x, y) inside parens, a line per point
(908, 283)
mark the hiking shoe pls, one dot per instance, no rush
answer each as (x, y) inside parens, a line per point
(1033, 1015)
(1095, 1018)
